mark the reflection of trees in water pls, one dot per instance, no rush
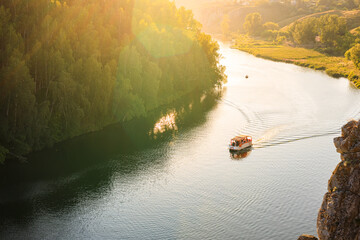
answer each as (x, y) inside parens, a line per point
(63, 176)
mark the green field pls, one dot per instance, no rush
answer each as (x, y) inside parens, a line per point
(333, 66)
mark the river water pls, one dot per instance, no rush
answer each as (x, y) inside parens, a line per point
(170, 176)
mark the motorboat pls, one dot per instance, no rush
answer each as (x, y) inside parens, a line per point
(240, 142)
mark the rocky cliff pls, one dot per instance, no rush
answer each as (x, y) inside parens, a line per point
(339, 214)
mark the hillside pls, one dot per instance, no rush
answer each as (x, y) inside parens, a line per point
(211, 14)
(352, 18)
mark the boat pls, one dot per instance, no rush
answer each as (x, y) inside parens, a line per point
(240, 142)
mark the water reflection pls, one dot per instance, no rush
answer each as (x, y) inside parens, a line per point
(238, 155)
(83, 169)
(165, 123)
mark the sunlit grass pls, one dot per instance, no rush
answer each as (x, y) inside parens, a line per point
(283, 52)
(333, 66)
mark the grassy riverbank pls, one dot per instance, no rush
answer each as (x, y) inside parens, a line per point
(333, 66)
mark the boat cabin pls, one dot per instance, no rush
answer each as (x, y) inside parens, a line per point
(240, 142)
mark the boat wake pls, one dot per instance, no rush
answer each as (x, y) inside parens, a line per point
(276, 128)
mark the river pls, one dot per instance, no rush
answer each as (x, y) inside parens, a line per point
(170, 176)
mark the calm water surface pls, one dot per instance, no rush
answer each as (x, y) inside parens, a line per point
(170, 176)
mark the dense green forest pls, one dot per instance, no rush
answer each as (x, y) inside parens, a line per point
(71, 67)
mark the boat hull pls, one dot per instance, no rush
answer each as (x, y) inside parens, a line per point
(239, 148)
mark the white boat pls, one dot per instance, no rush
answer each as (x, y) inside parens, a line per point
(240, 142)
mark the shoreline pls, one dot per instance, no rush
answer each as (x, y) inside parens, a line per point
(336, 67)
(14, 158)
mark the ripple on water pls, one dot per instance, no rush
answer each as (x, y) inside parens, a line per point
(185, 185)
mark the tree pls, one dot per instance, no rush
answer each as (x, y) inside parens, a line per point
(271, 26)
(253, 24)
(332, 29)
(18, 102)
(70, 67)
(305, 31)
(353, 54)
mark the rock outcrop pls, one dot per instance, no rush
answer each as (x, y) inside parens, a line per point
(339, 215)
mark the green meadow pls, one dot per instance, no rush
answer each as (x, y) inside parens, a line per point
(333, 66)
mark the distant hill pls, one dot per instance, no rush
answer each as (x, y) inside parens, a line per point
(211, 12)
(352, 18)
(274, 13)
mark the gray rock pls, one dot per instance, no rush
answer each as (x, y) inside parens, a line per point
(339, 215)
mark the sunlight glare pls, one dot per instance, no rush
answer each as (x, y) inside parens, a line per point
(167, 122)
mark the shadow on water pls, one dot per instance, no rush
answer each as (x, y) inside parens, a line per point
(57, 179)
(239, 155)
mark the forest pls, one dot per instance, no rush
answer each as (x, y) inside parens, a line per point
(326, 33)
(320, 34)
(71, 67)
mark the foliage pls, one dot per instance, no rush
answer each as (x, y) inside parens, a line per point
(304, 32)
(270, 30)
(253, 24)
(353, 54)
(327, 33)
(338, 4)
(271, 26)
(332, 30)
(71, 67)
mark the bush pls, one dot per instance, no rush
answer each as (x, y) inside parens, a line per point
(280, 39)
(270, 34)
(353, 54)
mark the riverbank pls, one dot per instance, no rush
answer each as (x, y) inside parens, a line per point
(178, 102)
(138, 184)
(333, 66)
